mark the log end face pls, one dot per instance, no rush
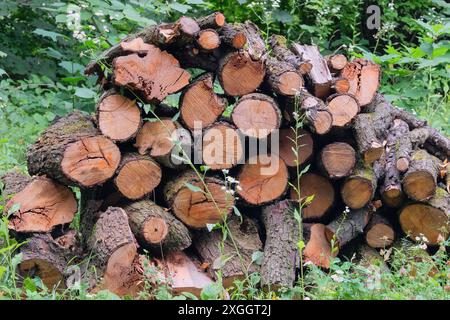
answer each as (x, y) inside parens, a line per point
(380, 236)
(357, 192)
(290, 83)
(338, 159)
(419, 185)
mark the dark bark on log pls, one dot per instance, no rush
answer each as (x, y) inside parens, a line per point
(156, 228)
(281, 256)
(233, 36)
(281, 52)
(214, 20)
(282, 78)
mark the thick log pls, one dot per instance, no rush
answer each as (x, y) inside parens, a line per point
(118, 118)
(158, 140)
(282, 78)
(359, 188)
(200, 106)
(343, 108)
(207, 39)
(239, 74)
(429, 219)
(336, 62)
(43, 203)
(263, 179)
(303, 144)
(364, 78)
(72, 152)
(195, 204)
(214, 20)
(234, 261)
(379, 233)
(281, 256)
(348, 226)
(319, 76)
(154, 76)
(137, 176)
(278, 44)
(156, 228)
(256, 115)
(113, 248)
(313, 184)
(222, 146)
(337, 160)
(420, 181)
(318, 249)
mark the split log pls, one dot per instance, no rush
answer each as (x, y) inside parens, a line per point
(195, 204)
(72, 152)
(336, 62)
(113, 248)
(263, 179)
(239, 74)
(430, 218)
(222, 146)
(156, 228)
(199, 105)
(318, 249)
(281, 257)
(208, 39)
(235, 260)
(303, 144)
(364, 78)
(214, 20)
(158, 140)
(359, 188)
(319, 76)
(280, 51)
(348, 226)
(379, 233)
(43, 203)
(337, 160)
(137, 176)
(343, 108)
(256, 115)
(312, 184)
(118, 118)
(282, 78)
(420, 181)
(154, 76)
(233, 36)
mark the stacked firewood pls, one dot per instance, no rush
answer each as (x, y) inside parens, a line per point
(376, 172)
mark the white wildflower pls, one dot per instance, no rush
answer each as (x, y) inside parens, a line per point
(337, 278)
(225, 171)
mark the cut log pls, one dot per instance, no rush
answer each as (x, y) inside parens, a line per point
(263, 179)
(45, 258)
(319, 76)
(118, 117)
(43, 203)
(234, 261)
(154, 76)
(420, 182)
(359, 188)
(137, 176)
(364, 78)
(136, 45)
(222, 146)
(282, 78)
(281, 256)
(343, 108)
(256, 115)
(340, 85)
(379, 233)
(239, 74)
(232, 35)
(72, 152)
(318, 249)
(280, 51)
(336, 62)
(113, 248)
(337, 160)
(196, 205)
(348, 226)
(175, 34)
(429, 219)
(369, 145)
(255, 46)
(214, 20)
(312, 184)
(303, 143)
(208, 39)
(156, 228)
(157, 139)
(199, 105)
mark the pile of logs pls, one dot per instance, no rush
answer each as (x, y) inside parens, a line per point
(376, 172)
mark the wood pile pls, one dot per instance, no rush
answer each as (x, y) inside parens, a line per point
(376, 172)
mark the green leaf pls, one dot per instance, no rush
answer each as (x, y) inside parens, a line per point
(2, 72)
(193, 188)
(179, 7)
(257, 257)
(211, 292)
(282, 16)
(48, 34)
(71, 67)
(15, 207)
(211, 226)
(236, 211)
(300, 245)
(3, 54)
(29, 284)
(85, 93)
(308, 200)
(133, 15)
